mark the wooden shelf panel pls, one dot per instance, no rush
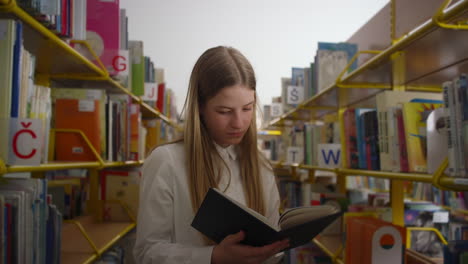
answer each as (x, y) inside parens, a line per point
(76, 249)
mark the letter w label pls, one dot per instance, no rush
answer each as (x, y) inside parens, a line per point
(329, 155)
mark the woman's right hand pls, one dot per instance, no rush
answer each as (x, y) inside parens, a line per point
(231, 251)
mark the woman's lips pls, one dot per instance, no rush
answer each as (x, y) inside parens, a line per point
(236, 134)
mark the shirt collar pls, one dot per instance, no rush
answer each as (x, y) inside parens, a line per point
(226, 152)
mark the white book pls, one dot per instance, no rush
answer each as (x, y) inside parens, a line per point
(330, 64)
(450, 124)
(79, 19)
(457, 97)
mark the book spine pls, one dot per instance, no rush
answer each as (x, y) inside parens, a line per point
(458, 127)
(464, 121)
(450, 125)
(404, 166)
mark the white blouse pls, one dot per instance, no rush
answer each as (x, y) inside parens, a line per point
(164, 231)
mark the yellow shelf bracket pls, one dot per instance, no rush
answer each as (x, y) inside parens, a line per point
(436, 178)
(438, 19)
(7, 6)
(3, 167)
(85, 234)
(93, 54)
(88, 143)
(125, 207)
(339, 82)
(428, 229)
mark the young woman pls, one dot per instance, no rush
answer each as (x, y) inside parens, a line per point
(219, 149)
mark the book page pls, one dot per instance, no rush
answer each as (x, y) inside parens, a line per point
(248, 210)
(300, 215)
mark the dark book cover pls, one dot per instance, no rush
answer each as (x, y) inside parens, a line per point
(219, 217)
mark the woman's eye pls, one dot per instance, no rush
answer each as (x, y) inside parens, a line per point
(223, 112)
(247, 109)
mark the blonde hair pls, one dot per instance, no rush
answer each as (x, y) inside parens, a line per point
(216, 69)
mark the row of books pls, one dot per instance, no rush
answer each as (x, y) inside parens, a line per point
(30, 224)
(330, 60)
(124, 59)
(111, 122)
(63, 17)
(29, 111)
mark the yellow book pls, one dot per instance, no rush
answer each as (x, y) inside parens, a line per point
(415, 116)
(153, 128)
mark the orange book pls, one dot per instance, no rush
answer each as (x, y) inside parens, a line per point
(82, 115)
(370, 240)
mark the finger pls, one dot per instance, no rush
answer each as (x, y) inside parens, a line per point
(276, 247)
(235, 238)
(267, 250)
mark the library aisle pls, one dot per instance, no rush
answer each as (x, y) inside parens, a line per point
(379, 132)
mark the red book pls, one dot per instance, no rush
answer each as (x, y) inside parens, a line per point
(160, 101)
(404, 166)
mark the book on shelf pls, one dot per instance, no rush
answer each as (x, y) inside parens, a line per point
(121, 185)
(137, 67)
(385, 101)
(371, 240)
(220, 216)
(415, 115)
(82, 115)
(7, 29)
(104, 34)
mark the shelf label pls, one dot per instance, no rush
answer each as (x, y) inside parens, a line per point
(295, 155)
(329, 155)
(295, 95)
(440, 217)
(25, 142)
(120, 63)
(86, 105)
(93, 94)
(150, 92)
(276, 109)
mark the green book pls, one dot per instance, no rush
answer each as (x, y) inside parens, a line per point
(138, 67)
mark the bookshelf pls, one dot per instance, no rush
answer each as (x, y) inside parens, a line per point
(420, 60)
(86, 238)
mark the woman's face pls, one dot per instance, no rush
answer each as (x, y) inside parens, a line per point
(227, 115)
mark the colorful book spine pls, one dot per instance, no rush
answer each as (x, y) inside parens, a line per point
(104, 34)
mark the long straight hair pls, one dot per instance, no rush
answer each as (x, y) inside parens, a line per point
(216, 69)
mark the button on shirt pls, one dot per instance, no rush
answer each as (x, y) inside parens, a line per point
(164, 231)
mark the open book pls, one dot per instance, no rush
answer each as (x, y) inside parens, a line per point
(220, 216)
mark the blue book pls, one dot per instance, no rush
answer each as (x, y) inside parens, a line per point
(15, 93)
(361, 143)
